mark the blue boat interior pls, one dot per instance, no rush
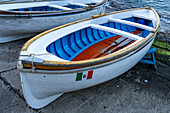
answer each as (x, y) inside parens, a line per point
(42, 8)
(71, 45)
(47, 8)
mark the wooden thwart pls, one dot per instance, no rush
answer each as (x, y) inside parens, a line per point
(142, 16)
(79, 4)
(116, 31)
(60, 7)
(131, 23)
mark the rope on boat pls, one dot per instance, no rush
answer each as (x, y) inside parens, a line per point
(33, 67)
(32, 58)
(30, 54)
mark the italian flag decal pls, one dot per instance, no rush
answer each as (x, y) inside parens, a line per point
(84, 75)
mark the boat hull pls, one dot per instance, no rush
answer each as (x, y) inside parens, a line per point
(14, 28)
(40, 89)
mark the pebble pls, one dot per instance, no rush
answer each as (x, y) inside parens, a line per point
(145, 81)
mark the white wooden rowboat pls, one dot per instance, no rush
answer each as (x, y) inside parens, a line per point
(84, 53)
(24, 19)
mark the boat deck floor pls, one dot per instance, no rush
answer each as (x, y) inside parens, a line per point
(94, 50)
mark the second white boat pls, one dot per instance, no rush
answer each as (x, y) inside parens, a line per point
(24, 19)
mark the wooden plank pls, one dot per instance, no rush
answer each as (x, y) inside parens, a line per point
(116, 31)
(131, 23)
(79, 4)
(60, 7)
(142, 16)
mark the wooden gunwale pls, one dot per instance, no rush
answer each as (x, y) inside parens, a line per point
(66, 66)
(52, 69)
(46, 12)
(55, 65)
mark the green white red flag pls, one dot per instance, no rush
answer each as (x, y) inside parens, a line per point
(84, 75)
